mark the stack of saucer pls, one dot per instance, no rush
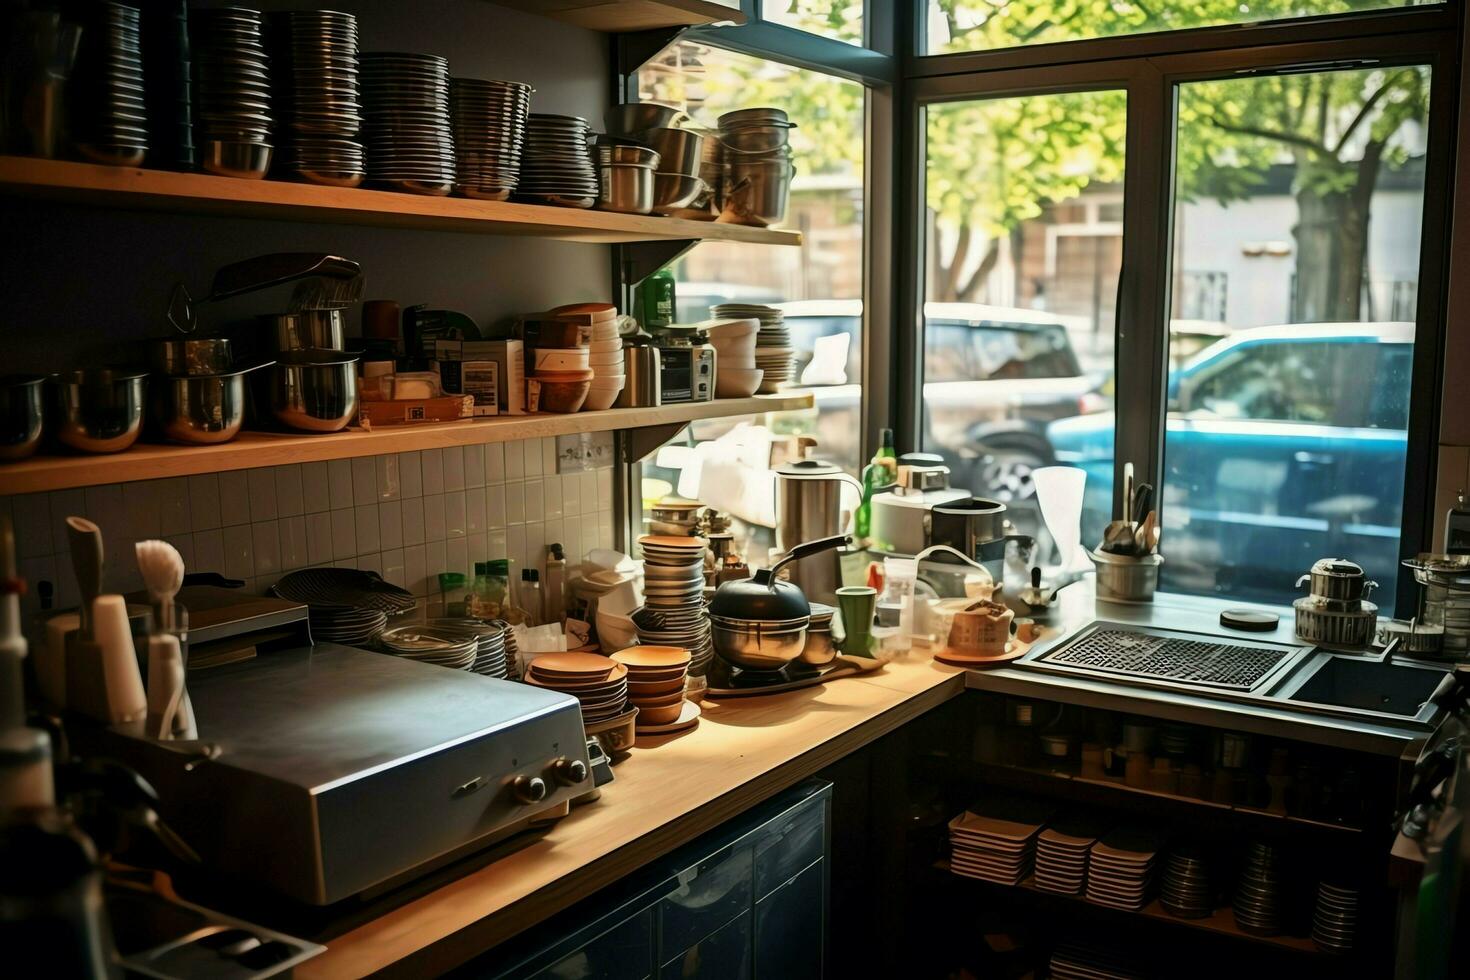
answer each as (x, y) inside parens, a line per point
(599, 683)
(1186, 891)
(234, 91)
(109, 117)
(318, 98)
(557, 168)
(1120, 870)
(446, 647)
(995, 841)
(489, 639)
(1335, 920)
(1061, 857)
(673, 606)
(656, 677)
(773, 350)
(489, 133)
(1259, 895)
(409, 142)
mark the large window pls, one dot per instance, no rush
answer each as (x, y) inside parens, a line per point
(979, 25)
(841, 20)
(1025, 245)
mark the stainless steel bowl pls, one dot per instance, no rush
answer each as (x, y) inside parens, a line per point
(191, 356)
(756, 139)
(307, 330)
(200, 409)
(228, 159)
(633, 117)
(626, 188)
(314, 390)
(640, 156)
(818, 650)
(679, 150)
(756, 192)
(21, 415)
(755, 645)
(674, 192)
(98, 410)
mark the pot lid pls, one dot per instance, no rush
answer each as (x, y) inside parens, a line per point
(1338, 568)
(759, 598)
(808, 469)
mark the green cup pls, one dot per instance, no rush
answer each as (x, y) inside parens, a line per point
(855, 606)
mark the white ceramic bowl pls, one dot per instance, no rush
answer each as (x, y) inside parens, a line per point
(561, 359)
(736, 383)
(731, 328)
(606, 346)
(601, 398)
(610, 359)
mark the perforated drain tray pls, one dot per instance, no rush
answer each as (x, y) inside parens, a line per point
(1161, 657)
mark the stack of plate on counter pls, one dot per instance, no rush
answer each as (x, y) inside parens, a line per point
(773, 350)
(1186, 891)
(673, 597)
(489, 135)
(598, 682)
(512, 668)
(656, 678)
(557, 168)
(109, 114)
(1061, 856)
(409, 141)
(490, 642)
(1259, 894)
(234, 91)
(318, 98)
(1120, 869)
(1077, 961)
(345, 605)
(1335, 921)
(444, 646)
(347, 625)
(996, 841)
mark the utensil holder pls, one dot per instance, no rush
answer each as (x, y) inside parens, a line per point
(1126, 578)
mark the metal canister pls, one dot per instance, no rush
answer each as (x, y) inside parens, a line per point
(644, 367)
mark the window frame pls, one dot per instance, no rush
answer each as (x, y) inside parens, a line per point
(1150, 67)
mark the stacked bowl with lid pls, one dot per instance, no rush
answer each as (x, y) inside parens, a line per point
(757, 168)
(604, 352)
(656, 679)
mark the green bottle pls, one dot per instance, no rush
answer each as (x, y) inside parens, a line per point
(880, 473)
(656, 300)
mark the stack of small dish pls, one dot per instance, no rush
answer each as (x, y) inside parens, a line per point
(319, 98)
(489, 132)
(446, 647)
(109, 113)
(773, 350)
(1335, 919)
(234, 91)
(1259, 894)
(1061, 858)
(1120, 870)
(489, 638)
(1186, 892)
(558, 166)
(409, 141)
(599, 683)
(673, 611)
(736, 375)
(508, 638)
(604, 355)
(656, 678)
(997, 844)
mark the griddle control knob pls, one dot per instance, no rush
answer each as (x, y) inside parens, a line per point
(569, 772)
(529, 789)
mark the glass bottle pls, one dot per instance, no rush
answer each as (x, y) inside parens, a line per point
(881, 472)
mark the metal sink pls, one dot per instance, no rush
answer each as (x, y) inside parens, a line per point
(1369, 685)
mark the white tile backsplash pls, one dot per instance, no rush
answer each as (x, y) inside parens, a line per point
(407, 515)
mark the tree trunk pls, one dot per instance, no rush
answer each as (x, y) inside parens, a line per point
(1332, 244)
(968, 293)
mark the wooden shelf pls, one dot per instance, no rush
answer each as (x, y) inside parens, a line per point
(163, 190)
(1221, 922)
(619, 16)
(252, 449)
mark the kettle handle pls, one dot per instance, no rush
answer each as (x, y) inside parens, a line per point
(805, 550)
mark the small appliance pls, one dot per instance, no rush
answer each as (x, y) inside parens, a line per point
(903, 517)
(686, 365)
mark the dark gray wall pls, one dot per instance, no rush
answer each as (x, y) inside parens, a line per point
(82, 284)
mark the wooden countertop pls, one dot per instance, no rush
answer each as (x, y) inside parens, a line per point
(668, 791)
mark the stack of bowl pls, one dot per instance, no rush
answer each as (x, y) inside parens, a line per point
(234, 92)
(677, 185)
(625, 177)
(558, 357)
(319, 98)
(736, 374)
(773, 350)
(757, 171)
(673, 585)
(599, 683)
(410, 145)
(198, 394)
(606, 360)
(109, 115)
(557, 167)
(489, 119)
(656, 677)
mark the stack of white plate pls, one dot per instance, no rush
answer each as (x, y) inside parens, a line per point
(348, 625)
(557, 168)
(773, 350)
(1335, 920)
(409, 142)
(489, 134)
(489, 639)
(1061, 857)
(1120, 869)
(997, 843)
(432, 645)
(673, 613)
(319, 97)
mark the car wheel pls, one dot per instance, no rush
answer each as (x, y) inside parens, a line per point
(1006, 474)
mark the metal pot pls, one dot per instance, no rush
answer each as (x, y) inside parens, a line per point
(756, 191)
(760, 623)
(1339, 579)
(626, 188)
(207, 355)
(756, 645)
(201, 409)
(21, 415)
(307, 330)
(679, 150)
(314, 390)
(99, 410)
(764, 138)
(674, 192)
(966, 525)
(635, 117)
(1126, 578)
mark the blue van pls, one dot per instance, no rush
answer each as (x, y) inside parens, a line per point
(1283, 445)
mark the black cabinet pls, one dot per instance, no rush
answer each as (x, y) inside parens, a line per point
(747, 901)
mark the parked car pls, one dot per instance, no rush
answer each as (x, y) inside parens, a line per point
(1283, 445)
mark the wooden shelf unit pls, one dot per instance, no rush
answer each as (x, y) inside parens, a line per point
(621, 16)
(188, 193)
(148, 461)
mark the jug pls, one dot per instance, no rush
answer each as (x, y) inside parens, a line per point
(809, 507)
